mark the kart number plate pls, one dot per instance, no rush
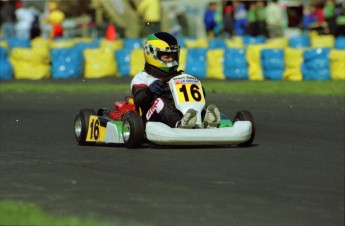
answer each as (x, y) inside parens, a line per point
(95, 131)
(189, 92)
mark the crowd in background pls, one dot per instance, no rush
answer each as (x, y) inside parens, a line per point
(220, 18)
(268, 18)
(23, 21)
(17, 20)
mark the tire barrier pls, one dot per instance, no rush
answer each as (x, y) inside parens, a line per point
(17, 43)
(123, 57)
(316, 64)
(253, 57)
(67, 63)
(293, 64)
(99, 63)
(6, 69)
(339, 43)
(132, 43)
(305, 57)
(196, 62)
(136, 61)
(322, 41)
(235, 64)
(337, 64)
(299, 42)
(272, 63)
(30, 63)
(214, 64)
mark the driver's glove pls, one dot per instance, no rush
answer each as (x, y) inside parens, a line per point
(157, 87)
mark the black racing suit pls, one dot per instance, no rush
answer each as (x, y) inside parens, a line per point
(154, 108)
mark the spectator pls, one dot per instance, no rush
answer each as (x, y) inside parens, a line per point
(24, 21)
(55, 19)
(308, 18)
(210, 19)
(35, 26)
(8, 19)
(274, 20)
(150, 11)
(314, 19)
(252, 20)
(174, 26)
(182, 21)
(228, 21)
(329, 14)
(261, 18)
(240, 15)
(218, 18)
(340, 24)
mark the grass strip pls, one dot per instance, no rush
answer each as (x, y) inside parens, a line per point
(20, 213)
(325, 88)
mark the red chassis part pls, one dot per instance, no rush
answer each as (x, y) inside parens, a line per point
(121, 107)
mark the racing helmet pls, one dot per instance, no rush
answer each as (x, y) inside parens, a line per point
(157, 45)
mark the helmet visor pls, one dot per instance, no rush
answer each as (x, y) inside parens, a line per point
(167, 56)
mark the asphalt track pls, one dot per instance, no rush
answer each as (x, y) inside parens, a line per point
(293, 174)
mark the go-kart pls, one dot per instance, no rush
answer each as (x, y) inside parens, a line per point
(125, 125)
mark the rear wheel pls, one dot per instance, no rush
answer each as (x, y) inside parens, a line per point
(246, 116)
(81, 122)
(133, 130)
(104, 112)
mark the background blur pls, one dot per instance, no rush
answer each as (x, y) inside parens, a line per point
(220, 39)
(183, 18)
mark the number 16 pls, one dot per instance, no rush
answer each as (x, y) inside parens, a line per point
(193, 91)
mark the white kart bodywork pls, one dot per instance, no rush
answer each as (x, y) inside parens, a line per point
(187, 93)
(160, 133)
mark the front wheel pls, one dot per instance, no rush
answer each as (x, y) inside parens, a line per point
(246, 116)
(81, 122)
(133, 130)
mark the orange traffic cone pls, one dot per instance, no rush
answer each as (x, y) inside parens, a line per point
(111, 32)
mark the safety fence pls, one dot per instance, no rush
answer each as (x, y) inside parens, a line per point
(311, 57)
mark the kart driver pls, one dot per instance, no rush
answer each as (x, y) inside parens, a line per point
(149, 87)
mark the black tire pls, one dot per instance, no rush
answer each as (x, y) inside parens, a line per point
(81, 122)
(104, 112)
(133, 130)
(246, 116)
